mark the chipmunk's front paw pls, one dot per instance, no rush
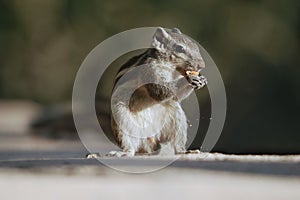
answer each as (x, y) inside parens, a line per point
(197, 81)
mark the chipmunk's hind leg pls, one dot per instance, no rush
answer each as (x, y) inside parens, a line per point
(128, 144)
(111, 154)
(121, 153)
(174, 132)
(180, 129)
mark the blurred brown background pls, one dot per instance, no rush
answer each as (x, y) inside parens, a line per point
(255, 44)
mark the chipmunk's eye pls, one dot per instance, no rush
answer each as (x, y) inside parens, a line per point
(179, 49)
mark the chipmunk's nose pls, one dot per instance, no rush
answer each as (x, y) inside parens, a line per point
(200, 65)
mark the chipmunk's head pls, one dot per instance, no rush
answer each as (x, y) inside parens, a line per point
(178, 49)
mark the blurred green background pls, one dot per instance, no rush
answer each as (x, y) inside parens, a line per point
(255, 44)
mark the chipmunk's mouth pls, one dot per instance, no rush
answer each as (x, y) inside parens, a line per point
(194, 66)
(190, 67)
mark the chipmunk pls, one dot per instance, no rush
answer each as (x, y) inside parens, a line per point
(144, 117)
(152, 115)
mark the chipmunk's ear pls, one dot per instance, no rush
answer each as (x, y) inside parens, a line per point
(176, 30)
(160, 39)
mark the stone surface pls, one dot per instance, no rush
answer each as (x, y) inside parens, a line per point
(39, 168)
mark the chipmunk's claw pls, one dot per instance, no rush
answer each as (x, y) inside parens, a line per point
(120, 154)
(195, 151)
(93, 155)
(197, 81)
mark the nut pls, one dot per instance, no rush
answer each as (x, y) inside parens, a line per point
(195, 73)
